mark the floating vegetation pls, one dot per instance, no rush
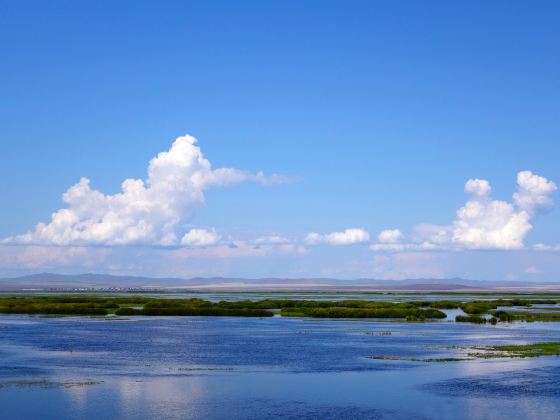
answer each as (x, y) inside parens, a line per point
(487, 352)
(426, 360)
(386, 358)
(527, 350)
(43, 383)
(198, 369)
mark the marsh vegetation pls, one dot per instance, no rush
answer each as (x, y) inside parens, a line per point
(128, 306)
(487, 352)
(475, 319)
(476, 311)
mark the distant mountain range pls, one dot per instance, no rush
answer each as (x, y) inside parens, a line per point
(50, 281)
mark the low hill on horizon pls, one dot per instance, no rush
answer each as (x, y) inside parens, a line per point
(93, 281)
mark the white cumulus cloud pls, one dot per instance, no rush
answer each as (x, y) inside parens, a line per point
(479, 187)
(151, 211)
(483, 222)
(200, 237)
(346, 237)
(544, 247)
(390, 236)
(533, 192)
(490, 225)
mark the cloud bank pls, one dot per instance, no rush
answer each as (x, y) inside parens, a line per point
(149, 212)
(346, 237)
(482, 223)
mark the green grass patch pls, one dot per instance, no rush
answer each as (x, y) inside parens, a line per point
(474, 319)
(390, 312)
(530, 350)
(487, 352)
(506, 316)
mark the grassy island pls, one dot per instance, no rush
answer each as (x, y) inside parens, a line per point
(475, 319)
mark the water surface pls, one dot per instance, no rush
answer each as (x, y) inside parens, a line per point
(204, 367)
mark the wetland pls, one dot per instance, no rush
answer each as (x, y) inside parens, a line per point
(271, 355)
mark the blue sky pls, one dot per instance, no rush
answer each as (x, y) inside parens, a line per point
(376, 114)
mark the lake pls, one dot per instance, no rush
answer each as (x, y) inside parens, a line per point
(224, 367)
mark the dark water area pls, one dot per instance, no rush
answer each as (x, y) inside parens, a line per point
(204, 367)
